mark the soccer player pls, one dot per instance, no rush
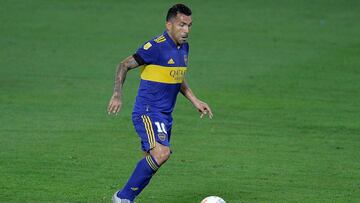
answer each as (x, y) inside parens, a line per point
(164, 60)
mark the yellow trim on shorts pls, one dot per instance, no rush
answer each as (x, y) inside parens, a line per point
(149, 130)
(152, 135)
(163, 74)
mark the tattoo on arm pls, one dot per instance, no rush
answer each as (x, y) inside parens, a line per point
(126, 65)
(184, 87)
(130, 62)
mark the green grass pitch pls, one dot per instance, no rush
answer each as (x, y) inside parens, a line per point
(282, 78)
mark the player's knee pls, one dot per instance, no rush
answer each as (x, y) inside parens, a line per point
(161, 154)
(164, 157)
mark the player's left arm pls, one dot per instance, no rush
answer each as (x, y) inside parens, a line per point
(201, 106)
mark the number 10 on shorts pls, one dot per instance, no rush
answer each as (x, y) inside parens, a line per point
(160, 127)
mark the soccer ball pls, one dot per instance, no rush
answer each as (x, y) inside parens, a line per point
(213, 199)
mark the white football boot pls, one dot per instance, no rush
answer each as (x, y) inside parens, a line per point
(116, 199)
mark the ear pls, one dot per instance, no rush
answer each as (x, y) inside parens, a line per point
(168, 25)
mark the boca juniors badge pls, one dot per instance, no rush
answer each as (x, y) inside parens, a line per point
(162, 136)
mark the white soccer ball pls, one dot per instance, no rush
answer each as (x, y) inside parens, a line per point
(213, 199)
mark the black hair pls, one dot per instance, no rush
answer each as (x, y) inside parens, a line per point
(177, 8)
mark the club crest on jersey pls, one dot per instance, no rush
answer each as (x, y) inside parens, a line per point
(162, 136)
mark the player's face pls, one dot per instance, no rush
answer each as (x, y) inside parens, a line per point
(179, 28)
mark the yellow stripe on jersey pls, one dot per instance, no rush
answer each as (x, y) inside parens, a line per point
(151, 163)
(160, 39)
(169, 75)
(149, 130)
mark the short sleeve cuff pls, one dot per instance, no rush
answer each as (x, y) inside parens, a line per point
(138, 59)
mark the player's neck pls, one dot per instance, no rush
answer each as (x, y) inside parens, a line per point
(171, 37)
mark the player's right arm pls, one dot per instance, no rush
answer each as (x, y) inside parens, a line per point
(201, 106)
(122, 69)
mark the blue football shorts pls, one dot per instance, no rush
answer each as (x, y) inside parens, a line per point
(152, 128)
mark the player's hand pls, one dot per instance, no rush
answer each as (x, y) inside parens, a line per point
(114, 105)
(203, 109)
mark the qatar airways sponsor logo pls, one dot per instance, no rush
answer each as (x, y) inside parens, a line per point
(178, 74)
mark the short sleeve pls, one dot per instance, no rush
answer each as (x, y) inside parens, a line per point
(148, 53)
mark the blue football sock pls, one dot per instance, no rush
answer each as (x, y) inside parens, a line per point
(140, 177)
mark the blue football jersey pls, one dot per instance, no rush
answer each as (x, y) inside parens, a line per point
(164, 69)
